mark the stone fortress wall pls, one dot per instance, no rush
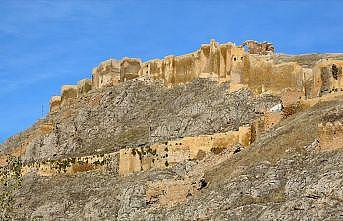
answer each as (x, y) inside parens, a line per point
(226, 62)
(162, 155)
(73, 165)
(297, 86)
(156, 156)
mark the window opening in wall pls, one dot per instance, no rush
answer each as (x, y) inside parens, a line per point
(234, 58)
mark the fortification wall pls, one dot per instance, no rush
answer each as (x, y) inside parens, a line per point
(129, 68)
(263, 75)
(107, 73)
(214, 60)
(85, 85)
(68, 93)
(327, 77)
(255, 70)
(162, 155)
(55, 103)
(330, 135)
(73, 165)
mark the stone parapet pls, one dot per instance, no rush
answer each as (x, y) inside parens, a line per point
(85, 85)
(68, 93)
(55, 102)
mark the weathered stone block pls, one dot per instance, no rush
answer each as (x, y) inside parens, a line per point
(55, 102)
(85, 85)
(106, 74)
(262, 48)
(327, 77)
(69, 92)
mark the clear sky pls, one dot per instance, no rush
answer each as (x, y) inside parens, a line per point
(45, 44)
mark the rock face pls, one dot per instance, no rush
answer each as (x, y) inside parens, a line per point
(281, 176)
(220, 59)
(138, 113)
(217, 134)
(106, 74)
(259, 69)
(261, 48)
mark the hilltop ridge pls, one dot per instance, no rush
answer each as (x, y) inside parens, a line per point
(225, 132)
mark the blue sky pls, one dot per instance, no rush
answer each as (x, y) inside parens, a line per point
(45, 44)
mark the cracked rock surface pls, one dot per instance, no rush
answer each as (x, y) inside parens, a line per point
(282, 176)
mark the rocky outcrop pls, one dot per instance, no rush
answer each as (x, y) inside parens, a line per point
(259, 69)
(261, 48)
(327, 77)
(107, 73)
(234, 135)
(119, 117)
(218, 59)
(55, 103)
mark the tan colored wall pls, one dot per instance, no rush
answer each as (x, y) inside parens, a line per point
(158, 156)
(55, 103)
(162, 155)
(106, 74)
(72, 165)
(237, 65)
(129, 68)
(257, 73)
(323, 77)
(68, 93)
(213, 60)
(261, 75)
(330, 136)
(85, 85)
(130, 160)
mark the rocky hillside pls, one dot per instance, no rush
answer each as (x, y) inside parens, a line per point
(259, 154)
(280, 177)
(138, 113)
